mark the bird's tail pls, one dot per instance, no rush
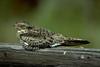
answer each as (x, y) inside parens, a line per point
(75, 42)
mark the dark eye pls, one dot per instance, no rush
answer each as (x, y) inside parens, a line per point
(29, 27)
(23, 26)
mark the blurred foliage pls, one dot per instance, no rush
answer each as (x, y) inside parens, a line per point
(76, 18)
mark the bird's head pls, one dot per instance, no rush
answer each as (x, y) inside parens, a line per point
(22, 26)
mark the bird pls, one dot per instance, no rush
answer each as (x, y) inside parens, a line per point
(33, 37)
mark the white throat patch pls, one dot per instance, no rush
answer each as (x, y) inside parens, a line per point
(21, 31)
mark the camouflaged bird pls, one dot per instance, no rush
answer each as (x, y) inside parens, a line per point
(37, 38)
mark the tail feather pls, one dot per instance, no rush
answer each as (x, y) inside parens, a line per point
(75, 42)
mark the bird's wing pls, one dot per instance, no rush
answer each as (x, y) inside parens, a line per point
(41, 32)
(34, 41)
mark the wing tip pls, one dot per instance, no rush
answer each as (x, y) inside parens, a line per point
(85, 42)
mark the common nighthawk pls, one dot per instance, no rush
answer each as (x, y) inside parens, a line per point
(34, 37)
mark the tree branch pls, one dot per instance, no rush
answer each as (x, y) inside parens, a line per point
(54, 57)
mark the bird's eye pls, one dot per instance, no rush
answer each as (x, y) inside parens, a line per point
(23, 26)
(29, 27)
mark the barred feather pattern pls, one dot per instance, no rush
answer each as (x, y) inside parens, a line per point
(41, 39)
(36, 37)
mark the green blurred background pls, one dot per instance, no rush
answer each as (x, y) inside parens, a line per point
(76, 18)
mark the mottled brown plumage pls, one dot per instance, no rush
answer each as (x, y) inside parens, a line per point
(36, 38)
